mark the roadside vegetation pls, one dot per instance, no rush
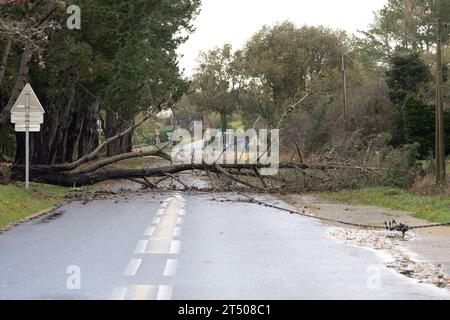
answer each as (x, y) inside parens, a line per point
(431, 208)
(17, 204)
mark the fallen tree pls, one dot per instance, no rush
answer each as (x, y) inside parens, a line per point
(97, 172)
(92, 169)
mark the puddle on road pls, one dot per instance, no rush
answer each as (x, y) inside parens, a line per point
(51, 217)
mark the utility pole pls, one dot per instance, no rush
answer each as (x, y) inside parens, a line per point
(344, 83)
(440, 132)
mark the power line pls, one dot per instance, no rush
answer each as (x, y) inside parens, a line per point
(373, 69)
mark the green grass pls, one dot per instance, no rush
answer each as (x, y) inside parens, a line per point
(17, 204)
(431, 208)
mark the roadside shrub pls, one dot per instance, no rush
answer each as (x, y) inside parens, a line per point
(419, 124)
(401, 166)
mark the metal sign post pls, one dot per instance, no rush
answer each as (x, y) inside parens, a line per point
(27, 141)
(27, 115)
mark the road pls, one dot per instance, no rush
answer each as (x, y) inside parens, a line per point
(178, 246)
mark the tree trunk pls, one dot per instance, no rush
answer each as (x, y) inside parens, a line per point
(113, 126)
(4, 61)
(70, 128)
(174, 119)
(20, 148)
(21, 80)
(89, 137)
(224, 122)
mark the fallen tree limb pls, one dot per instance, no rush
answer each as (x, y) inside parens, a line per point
(186, 187)
(258, 174)
(103, 163)
(234, 178)
(145, 183)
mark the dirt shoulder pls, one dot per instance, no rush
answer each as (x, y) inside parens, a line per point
(423, 245)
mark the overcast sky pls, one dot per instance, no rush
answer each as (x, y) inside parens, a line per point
(235, 21)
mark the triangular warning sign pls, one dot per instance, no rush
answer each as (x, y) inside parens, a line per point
(35, 105)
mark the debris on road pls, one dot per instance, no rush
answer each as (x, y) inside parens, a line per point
(401, 260)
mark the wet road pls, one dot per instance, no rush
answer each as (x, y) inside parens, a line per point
(170, 246)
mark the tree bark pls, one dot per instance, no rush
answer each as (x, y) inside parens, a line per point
(21, 80)
(113, 126)
(70, 129)
(94, 154)
(89, 139)
(4, 61)
(224, 122)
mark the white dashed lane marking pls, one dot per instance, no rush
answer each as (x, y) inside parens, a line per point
(149, 232)
(133, 267)
(164, 293)
(159, 240)
(141, 247)
(171, 268)
(175, 247)
(177, 232)
(156, 220)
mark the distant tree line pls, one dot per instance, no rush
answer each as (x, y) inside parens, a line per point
(96, 81)
(291, 77)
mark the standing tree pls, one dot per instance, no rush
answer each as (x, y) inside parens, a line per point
(419, 123)
(404, 26)
(285, 59)
(216, 84)
(407, 74)
(145, 62)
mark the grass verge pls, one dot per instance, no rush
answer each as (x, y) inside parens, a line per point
(16, 204)
(431, 208)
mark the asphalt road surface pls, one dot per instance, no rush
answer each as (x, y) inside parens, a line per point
(172, 246)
